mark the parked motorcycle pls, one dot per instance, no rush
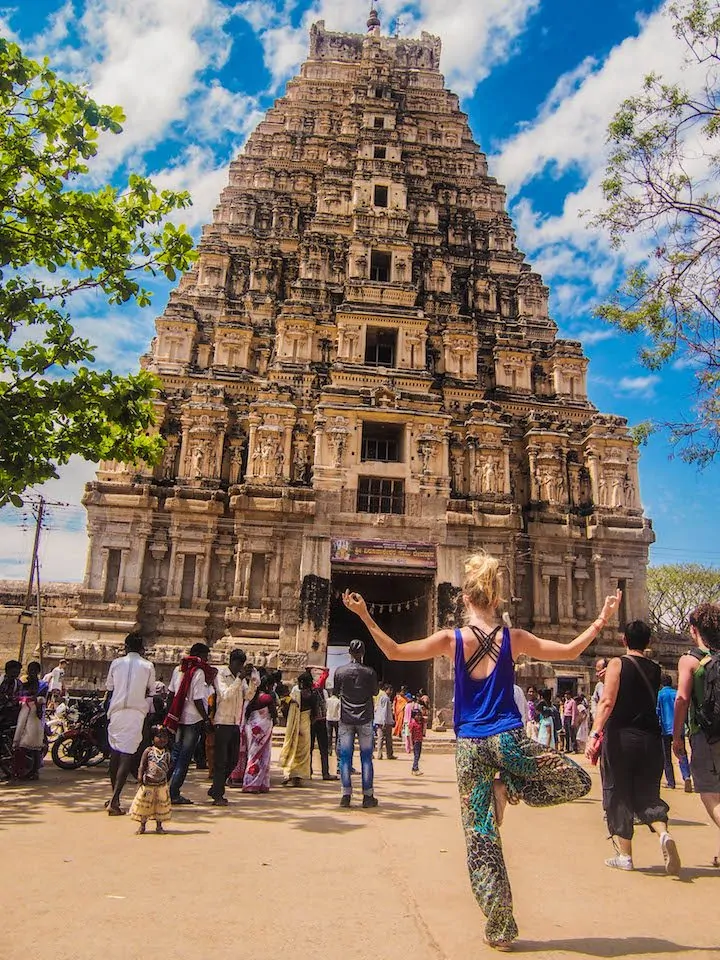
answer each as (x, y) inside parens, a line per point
(86, 742)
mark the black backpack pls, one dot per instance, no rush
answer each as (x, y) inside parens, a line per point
(707, 713)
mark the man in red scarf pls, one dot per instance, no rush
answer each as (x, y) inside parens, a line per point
(188, 713)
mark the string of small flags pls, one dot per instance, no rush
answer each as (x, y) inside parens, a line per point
(388, 607)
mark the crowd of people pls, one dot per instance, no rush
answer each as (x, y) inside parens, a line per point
(510, 747)
(223, 719)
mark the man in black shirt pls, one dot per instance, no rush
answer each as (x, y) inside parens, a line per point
(356, 685)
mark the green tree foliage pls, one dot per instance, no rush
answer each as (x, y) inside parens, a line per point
(661, 188)
(60, 236)
(675, 590)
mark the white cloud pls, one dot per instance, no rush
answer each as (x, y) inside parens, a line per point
(591, 337)
(199, 172)
(568, 135)
(475, 35)
(638, 386)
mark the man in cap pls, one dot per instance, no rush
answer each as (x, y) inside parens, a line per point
(356, 685)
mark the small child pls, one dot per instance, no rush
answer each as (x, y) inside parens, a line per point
(152, 800)
(417, 733)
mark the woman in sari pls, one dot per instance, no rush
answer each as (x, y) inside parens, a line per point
(407, 717)
(295, 755)
(29, 740)
(401, 701)
(260, 718)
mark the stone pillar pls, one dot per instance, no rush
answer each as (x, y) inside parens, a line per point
(570, 606)
(532, 461)
(593, 470)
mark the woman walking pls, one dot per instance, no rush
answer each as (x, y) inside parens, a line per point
(490, 735)
(627, 733)
(261, 716)
(295, 754)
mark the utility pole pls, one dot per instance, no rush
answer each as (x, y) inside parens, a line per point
(26, 614)
(39, 612)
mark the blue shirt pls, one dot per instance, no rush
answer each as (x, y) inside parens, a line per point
(666, 709)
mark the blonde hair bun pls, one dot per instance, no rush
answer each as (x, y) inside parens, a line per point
(482, 581)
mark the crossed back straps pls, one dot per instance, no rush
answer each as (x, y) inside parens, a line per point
(487, 647)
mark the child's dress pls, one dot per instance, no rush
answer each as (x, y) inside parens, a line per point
(152, 800)
(546, 731)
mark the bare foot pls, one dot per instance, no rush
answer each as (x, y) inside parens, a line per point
(500, 801)
(140, 830)
(159, 828)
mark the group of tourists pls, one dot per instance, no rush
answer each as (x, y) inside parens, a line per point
(233, 710)
(506, 750)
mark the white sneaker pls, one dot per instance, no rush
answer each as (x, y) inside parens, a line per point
(670, 855)
(620, 862)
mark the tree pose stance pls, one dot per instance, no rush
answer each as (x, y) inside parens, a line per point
(496, 762)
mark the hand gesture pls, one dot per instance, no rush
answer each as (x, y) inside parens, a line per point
(612, 603)
(355, 603)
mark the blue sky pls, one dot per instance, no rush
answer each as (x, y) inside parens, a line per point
(539, 79)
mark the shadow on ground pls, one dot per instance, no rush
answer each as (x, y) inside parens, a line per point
(312, 808)
(609, 947)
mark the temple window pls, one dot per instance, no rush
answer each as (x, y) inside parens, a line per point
(112, 576)
(381, 196)
(380, 347)
(376, 495)
(381, 441)
(380, 266)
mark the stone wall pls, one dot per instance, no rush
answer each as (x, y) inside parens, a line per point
(60, 602)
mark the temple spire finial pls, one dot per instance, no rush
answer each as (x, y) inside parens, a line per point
(373, 23)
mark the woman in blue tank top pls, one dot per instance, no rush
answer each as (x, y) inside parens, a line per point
(496, 762)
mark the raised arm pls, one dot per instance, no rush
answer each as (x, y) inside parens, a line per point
(539, 649)
(437, 645)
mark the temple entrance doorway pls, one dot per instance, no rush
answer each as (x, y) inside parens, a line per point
(402, 604)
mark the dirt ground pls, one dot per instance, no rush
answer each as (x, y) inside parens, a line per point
(292, 872)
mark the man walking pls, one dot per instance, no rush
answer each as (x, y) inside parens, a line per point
(666, 714)
(130, 681)
(356, 685)
(235, 685)
(698, 702)
(384, 721)
(188, 713)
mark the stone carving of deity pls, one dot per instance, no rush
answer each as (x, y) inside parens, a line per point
(299, 464)
(198, 461)
(602, 491)
(458, 472)
(425, 452)
(617, 498)
(169, 456)
(489, 476)
(629, 493)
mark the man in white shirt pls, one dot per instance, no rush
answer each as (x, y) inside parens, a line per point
(235, 686)
(56, 681)
(193, 714)
(130, 680)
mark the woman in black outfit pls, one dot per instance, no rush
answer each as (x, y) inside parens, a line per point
(631, 761)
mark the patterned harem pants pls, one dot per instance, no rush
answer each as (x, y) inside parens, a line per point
(531, 772)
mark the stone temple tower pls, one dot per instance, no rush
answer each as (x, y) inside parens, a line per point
(361, 385)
